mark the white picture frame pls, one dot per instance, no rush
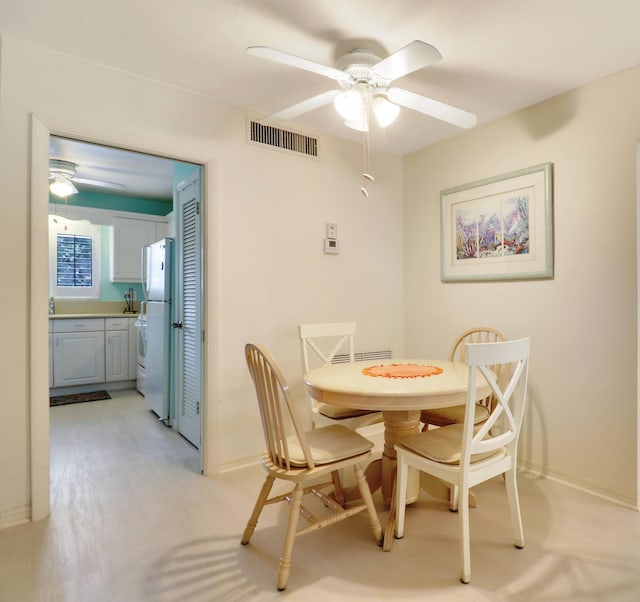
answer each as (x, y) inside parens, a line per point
(499, 228)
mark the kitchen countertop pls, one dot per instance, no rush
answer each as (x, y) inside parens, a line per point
(96, 315)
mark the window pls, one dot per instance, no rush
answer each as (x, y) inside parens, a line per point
(74, 259)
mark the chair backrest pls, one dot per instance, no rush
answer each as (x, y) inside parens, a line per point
(326, 341)
(511, 396)
(280, 422)
(479, 334)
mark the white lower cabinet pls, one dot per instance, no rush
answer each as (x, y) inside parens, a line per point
(50, 354)
(133, 349)
(78, 358)
(116, 349)
(91, 350)
(50, 360)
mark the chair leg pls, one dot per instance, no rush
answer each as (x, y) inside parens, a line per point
(453, 498)
(292, 525)
(374, 521)
(514, 508)
(465, 552)
(338, 491)
(402, 475)
(257, 509)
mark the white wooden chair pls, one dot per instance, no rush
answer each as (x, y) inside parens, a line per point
(302, 458)
(464, 455)
(455, 415)
(321, 343)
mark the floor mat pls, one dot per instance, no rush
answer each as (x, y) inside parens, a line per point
(61, 400)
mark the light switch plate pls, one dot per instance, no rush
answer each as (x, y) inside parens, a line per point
(332, 231)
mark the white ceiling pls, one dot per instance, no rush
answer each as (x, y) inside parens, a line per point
(142, 175)
(499, 56)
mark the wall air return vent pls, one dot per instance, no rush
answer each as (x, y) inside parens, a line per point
(280, 139)
(343, 358)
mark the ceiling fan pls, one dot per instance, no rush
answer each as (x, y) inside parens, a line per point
(365, 86)
(63, 175)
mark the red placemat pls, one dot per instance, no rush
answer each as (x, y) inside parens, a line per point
(402, 371)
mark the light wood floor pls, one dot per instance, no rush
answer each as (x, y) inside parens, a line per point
(133, 521)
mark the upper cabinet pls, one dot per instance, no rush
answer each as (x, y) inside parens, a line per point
(129, 236)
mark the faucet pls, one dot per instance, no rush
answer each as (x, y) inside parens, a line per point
(52, 306)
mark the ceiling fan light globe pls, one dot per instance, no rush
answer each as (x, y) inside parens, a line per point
(361, 124)
(62, 186)
(349, 105)
(385, 111)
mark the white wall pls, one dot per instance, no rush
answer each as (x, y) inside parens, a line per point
(265, 215)
(581, 427)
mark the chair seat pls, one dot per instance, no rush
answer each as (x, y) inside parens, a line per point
(340, 412)
(453, 415)
(443, 445)
(329, 444)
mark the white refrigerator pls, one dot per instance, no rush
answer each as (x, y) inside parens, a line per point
(157, 273)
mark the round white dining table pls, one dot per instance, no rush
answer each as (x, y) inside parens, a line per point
(400, 388)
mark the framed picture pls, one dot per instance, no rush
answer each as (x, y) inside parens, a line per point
(500, 228)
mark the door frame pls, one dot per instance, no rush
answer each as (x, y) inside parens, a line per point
(637, 327)
(40, 459)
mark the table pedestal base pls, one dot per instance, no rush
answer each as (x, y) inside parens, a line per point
(382, 473)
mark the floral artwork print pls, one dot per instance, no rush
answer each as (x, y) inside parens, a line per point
(493, 227)
(498, 228)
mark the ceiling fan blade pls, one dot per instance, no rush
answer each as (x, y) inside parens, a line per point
(413, 56)
(307, 105)
(431, 107)
(100, 183)
(295, 61)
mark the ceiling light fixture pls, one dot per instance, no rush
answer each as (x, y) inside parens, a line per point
(384, 110)
(62, 186)
(355, 104)
(360, 123)
(350, 104)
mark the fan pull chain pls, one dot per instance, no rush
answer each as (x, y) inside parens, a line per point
(366, 176)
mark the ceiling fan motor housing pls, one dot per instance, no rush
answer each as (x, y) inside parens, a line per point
(359, 65)
(59, 166)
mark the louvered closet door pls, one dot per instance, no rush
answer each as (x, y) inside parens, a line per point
(189, 337)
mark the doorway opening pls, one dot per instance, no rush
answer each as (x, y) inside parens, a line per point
(137, 201)
(44, 143)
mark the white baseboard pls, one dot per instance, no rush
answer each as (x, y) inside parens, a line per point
(15, 516)
(605, 495)
(238, 463)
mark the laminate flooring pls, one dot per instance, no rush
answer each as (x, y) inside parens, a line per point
(132, 520)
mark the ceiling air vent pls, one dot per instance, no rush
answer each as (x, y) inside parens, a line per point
(282, 139)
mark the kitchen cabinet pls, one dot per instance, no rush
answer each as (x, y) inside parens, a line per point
(129, 235)
(116, 349)
(50, 354)
(78, 352)
(92, 350)
(133, 349)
